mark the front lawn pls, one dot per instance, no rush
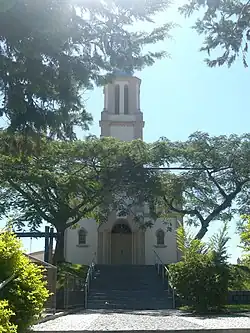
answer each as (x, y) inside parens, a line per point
(239, 308)
(233, 308)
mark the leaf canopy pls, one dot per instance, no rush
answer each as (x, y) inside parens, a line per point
(225, 27)
(51, 51)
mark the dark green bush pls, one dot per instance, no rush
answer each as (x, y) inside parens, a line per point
(27, 293)
(201, 277)
(200, 283)
(239, 277)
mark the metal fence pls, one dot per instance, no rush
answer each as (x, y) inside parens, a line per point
(72, 293)
(68, 294)
(239, 297)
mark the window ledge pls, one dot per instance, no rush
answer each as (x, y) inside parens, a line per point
(160, 246)
(82, 245)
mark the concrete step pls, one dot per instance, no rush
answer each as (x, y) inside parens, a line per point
(128, 287)
(129, 292)
(130, 299)
(130, 306)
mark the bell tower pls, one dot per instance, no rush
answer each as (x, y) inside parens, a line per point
(122, 117)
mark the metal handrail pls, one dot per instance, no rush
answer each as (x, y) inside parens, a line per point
(7, 281)
(166, 270)
(66, 286)
(89, 277)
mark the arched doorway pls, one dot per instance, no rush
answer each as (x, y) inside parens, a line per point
(121, 244)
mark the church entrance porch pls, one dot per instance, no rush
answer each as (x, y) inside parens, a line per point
(121, 244)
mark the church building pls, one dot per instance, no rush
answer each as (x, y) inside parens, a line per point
(120, 240)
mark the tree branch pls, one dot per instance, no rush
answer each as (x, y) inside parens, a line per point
(184, 211)
(79, 216)
(220, 189)
(225, 204)
(28, 197)
(47, 198)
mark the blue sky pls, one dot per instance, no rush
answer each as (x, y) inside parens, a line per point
(182, 95)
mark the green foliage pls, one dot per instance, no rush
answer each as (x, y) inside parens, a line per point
(68, 181)
(217, 175)
(218, 244)
(239, 277)
(225, 27)
(230, 308)
(201, 277)
(240, 274)
(71, 180)
(75, 269)
(5, 318)
(245, 234)
(26, 294)
(189, 246)
(56, 49)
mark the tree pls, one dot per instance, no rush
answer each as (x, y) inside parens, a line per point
(225, 26)
(68, 181)
(53, 50)
(216, 175)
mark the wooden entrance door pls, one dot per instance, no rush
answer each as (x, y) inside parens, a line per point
(121, 245)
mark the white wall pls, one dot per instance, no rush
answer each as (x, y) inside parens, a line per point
(168, 254)
(81, 254)
(122, 117)
(85, 254)
(124, 133)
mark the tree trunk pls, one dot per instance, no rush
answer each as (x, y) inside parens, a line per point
(202, 232)
(59, 250)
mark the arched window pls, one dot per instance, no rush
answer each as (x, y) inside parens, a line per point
(126, 99)
(117, 99)
(82, 237)
(160, 237)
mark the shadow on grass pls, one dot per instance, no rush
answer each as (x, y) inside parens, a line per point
(210, 315)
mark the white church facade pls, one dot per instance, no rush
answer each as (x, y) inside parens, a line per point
(120, 240)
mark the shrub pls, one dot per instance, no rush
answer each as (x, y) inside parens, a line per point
(5, 315)
(201, 277)
(27, 293)
(239, 277)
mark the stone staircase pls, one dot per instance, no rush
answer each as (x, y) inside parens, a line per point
(128, 287)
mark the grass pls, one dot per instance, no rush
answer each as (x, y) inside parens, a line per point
(232, 308)
(239, 307)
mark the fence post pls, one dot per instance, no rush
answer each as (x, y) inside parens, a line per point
(86, 295)
(66, 292)
(54, 288)
(46, 246)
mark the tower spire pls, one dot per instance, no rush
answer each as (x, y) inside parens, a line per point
(122, 117)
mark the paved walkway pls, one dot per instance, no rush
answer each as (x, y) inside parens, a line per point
(141, 320)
